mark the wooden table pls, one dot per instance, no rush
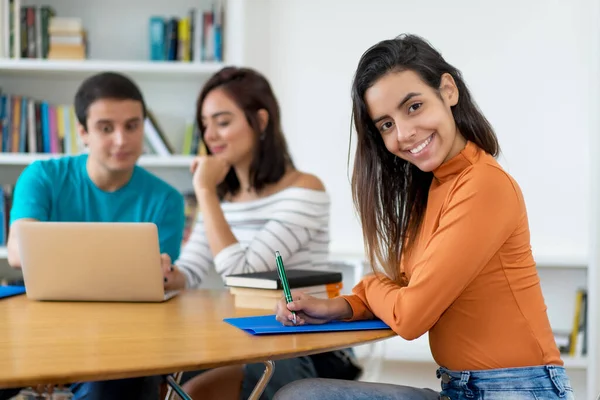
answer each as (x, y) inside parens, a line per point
(64, 342)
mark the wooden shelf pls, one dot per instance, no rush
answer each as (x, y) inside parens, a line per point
(145, 161)
(83, 67)
(575, 362)
(399, 350)
(561, 261)
(177, 161)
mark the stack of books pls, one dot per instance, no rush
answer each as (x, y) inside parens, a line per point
(262, 290)
(67, 39)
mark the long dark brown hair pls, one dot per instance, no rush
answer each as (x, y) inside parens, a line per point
(251, 92)
(389, 193)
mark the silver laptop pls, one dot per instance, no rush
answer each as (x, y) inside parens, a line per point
(91, 261)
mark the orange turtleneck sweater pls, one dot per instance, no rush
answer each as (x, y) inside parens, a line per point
(472, 280)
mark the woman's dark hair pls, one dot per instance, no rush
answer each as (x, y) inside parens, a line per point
(389, 193)
(251, 92)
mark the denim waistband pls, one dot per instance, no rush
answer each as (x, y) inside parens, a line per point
(521, 378)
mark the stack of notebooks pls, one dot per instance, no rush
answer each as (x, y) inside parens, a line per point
(262, 290)
(67, 39)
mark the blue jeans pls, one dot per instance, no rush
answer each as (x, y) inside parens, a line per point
(530, 383)
(145, 388)
(548, 382)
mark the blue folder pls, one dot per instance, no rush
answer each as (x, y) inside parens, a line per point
(268, 325)
(7, 291)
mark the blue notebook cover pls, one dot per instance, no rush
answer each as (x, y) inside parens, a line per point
(7, 291)
(267, 324)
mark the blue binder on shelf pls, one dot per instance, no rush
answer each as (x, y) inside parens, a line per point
(268, 325)
(8, 291)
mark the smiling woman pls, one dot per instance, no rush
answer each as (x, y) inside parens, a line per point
(410, 121)
(419, 128)
(450, 228)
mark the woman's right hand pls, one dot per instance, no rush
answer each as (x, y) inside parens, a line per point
(311, 310)
(208, 171)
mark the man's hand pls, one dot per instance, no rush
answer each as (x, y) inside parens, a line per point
(14, 259)
(173, 278)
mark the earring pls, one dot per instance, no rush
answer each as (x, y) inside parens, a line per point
(263, 135)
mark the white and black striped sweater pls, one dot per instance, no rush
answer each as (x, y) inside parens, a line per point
(294, 221)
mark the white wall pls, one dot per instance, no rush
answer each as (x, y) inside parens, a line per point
(528, 69)
(594, 273)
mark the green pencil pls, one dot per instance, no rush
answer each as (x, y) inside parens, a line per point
(284, 281)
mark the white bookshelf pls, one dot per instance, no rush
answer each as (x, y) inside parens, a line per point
(159, 69)
(561, 261)
(23, 159)
(417, 351)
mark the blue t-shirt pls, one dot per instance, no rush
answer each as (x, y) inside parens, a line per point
(60, 189)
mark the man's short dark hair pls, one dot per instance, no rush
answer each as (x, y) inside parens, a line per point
(105, 85)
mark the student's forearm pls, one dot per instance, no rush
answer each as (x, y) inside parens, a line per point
(12, 248)
(217, 229)
(340, 309)
(13, 258)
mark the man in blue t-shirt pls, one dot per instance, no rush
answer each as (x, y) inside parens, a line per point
(104, 185)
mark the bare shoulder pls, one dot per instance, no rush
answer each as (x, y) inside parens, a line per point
(308, 181)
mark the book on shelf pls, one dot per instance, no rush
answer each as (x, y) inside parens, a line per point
(36, 32)
(192, 142)
(190, 212)
(6, 192)
(155, 139)
(32, 126)
(573, 342)
(68, 39)
(24, 30)
(578, 336)
(195, 37)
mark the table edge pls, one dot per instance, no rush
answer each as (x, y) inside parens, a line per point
(169, 369)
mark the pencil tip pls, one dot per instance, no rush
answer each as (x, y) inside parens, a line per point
(277, 254)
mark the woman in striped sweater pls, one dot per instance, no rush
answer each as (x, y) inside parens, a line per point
(252, 202)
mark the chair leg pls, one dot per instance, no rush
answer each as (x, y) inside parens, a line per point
(264, 380)
(174, 387)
